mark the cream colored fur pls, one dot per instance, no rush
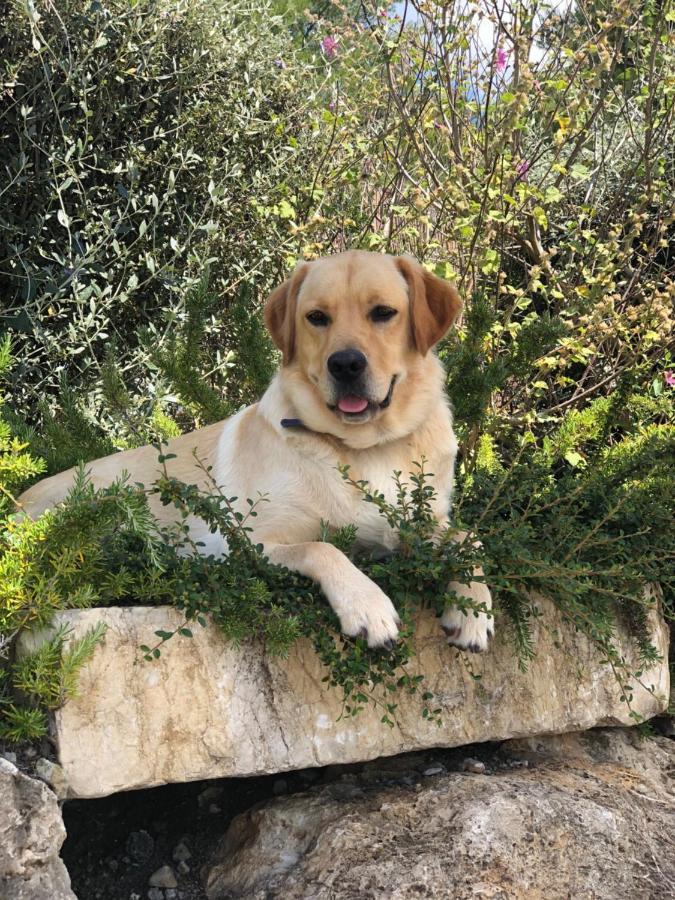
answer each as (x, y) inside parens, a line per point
(296, 468)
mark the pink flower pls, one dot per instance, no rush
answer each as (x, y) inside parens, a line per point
(537, 86)
(522, 168)
(669, 377)
(501, 59)
(329, 45)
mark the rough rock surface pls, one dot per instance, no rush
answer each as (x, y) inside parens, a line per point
(31, 834)
(591, 816)
(207, 709)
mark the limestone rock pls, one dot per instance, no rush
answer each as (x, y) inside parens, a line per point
(593, 816)
(163, 878)
(207, 709)
(31, 834)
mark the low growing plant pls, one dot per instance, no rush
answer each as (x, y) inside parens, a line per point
(104, 547)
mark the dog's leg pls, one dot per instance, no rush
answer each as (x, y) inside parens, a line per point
(362, 608)
(469, 630)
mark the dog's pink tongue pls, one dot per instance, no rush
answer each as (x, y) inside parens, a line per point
(352, 404)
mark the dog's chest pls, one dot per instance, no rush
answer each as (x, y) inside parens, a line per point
(341, 503)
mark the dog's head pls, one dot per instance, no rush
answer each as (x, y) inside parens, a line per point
(355, 331)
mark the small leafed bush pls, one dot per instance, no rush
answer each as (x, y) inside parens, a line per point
(134, 139)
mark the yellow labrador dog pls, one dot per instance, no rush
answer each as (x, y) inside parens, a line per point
(359, 385)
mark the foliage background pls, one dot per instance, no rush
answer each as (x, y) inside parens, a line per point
(163, 165)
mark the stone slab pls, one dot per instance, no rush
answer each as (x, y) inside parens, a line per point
(592, 818)
(31, 834)
(209, 709)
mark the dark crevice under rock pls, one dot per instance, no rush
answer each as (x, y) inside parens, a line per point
(116, 843)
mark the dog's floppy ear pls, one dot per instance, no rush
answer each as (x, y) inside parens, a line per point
(434, 303)
(280, 312)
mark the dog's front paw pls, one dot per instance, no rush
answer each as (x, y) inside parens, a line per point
(368, 613)
(469, 630)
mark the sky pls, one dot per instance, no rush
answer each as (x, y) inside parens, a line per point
(485, 33)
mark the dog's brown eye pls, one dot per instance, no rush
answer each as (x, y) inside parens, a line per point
(316, 317)
(382, 313)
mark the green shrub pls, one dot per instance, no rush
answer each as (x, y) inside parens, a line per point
(17, 465)
(133, 139)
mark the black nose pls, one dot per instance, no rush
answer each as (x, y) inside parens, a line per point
(346, 365)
